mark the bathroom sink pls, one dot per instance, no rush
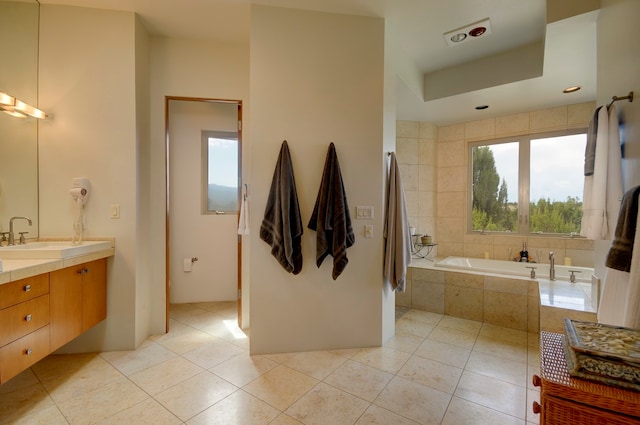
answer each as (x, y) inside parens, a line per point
(52, 249)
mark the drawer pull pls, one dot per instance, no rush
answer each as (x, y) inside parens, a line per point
(28, 351)
(536, 381)
(27, 288)
(83, 271)
(536, 407)
(27, 318)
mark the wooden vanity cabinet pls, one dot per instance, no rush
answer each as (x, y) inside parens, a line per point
(78, 300)
(24, 324)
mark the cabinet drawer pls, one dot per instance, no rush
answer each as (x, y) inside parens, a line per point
(558, 411)
(23, 353)
(24, 318)
(24, 289)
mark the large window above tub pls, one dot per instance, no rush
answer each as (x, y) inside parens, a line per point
(528, 184)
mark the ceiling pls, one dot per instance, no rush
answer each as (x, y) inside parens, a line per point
(470, 70)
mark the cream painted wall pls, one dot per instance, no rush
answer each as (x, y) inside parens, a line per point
(317, 78)
(87, 83)
(191, 68)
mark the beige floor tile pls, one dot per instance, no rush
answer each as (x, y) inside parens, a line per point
(325, 404)
(513, 336)
(382, 358)
(226, 329)
(102, 403)
(360, 380)
(404, 342)
(285, 419)
(414, 401)
(347, 352)
(499, 368)
(63, 365)
(492, 393)
(23, 380)
(317, 364)
(48, 416)
(184, 311)
(459, 324)
(243, 368)
(376, 415)
(281, 386)
(146, 355)
(239, 408)
(532, 370)
(192, 396)
(424, 316)
(149, 412)
(185, 340)
(453, 337)
(463, 412)
(24, 401)
(213, 353)
(532, 395)
(501, 349)
(158, 378)
(413, 327)
(433, 374)
(533, 356)
(443, 353)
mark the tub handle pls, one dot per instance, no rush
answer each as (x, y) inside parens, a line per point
(572, 278)
(533, 271)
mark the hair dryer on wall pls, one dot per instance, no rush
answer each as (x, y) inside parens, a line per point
(80, 191)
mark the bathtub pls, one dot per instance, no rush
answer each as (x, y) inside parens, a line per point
(583, 274)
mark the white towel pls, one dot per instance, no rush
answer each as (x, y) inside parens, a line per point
(397, 248)
(243, 221)
(594, 224)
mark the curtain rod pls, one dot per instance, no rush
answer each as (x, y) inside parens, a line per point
(617, 98)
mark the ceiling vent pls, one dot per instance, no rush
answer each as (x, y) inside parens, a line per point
(468, 32)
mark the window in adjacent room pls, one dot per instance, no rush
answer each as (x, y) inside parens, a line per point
(532, 184)
(220, 177)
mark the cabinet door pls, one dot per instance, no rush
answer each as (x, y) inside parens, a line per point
(66, 305)
(94, 293)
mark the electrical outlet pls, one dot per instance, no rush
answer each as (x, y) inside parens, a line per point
(368, 230)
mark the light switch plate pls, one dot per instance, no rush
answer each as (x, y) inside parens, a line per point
(364, 212)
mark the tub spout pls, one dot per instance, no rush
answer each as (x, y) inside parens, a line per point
(552, 266)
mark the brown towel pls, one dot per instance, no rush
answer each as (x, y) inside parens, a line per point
(621, 250)
(282, 224)
(590, 148)
(330, 218)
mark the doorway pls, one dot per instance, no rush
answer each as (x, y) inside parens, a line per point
(203, 250)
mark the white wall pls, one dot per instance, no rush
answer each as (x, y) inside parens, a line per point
(317, 78)
(87, 83)
(190, 68)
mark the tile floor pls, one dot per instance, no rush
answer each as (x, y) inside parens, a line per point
(436, 370)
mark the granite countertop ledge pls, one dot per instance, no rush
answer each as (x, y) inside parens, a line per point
(18, 268)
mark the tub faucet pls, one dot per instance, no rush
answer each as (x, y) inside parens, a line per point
(12, 240)
(552, 265)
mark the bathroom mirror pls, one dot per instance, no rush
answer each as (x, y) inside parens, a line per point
(19, 136)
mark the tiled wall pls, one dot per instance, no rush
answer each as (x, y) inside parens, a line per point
(433, 163)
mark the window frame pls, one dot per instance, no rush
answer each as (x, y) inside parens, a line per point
(524, 179)
(204, 190)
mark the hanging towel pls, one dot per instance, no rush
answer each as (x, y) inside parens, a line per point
(397, 248)
(621, 250)
(282, 224)
(330, 217)
(243, 220)
(590, 149)
(614, 191)
(594, 223)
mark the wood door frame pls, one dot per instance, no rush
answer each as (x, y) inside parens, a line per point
(167, 99)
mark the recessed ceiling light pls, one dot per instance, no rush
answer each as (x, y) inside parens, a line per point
(457, 38)
(477, 31)
(571, 89)
(481, 107)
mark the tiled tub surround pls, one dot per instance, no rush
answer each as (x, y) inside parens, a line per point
(508, 301)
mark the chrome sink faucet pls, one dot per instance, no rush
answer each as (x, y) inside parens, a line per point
(12, 240)
(552, 266)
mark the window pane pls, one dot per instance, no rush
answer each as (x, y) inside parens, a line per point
(556, 184)
(495, 187)
(222, 155)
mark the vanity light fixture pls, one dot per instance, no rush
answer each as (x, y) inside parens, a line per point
(17, 108)
(571, 89)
